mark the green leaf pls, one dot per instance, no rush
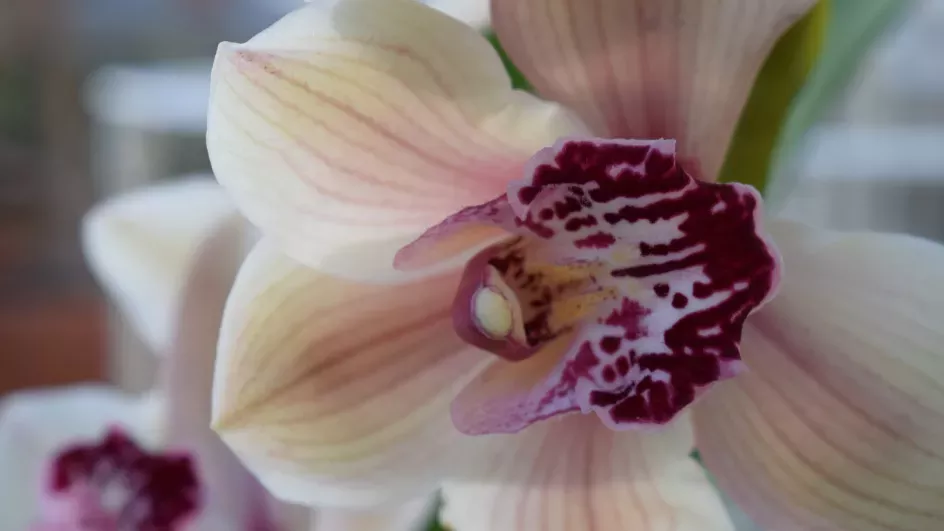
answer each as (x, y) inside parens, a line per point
(434, 524)
(518, 80)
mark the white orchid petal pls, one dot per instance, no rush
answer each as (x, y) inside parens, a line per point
(336, 392)
(233, 497)
(141, 247)
(574, 473)
(350, 126)
(410, 516)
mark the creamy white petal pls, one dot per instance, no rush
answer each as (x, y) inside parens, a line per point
(573, 473)
(337, 392)
(350, 126)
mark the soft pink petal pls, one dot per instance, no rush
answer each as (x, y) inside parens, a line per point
(573, 473)
(839, 424)
(509, 396)
(678, 69)
(468, 230)
(335, 392)
(350, 126)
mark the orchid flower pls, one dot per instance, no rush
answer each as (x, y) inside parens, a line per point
(528, 302)
(35, 425)
(93, 456)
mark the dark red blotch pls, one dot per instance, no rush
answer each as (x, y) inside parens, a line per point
(732, 253)
(168, 482)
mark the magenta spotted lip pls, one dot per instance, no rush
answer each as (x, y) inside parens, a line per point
(649, 272)
(114, 485)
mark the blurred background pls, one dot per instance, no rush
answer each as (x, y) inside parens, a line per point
(99, 97)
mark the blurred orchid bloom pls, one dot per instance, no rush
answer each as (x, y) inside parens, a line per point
(114, 484)
(185, 240)
(109, 479)
(443, 256)
(36, 425)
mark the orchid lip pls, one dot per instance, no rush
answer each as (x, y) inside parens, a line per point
(648, 272)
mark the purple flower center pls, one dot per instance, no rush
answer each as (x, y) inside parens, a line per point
(641, 276)
(114, 485)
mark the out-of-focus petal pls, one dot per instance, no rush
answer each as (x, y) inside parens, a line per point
(648, 68)
(411, 516)
(574, 473)
(350, 126)
(839, 424)
(34, 425)
(335, 392)
(234, 499)
(141, 246)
